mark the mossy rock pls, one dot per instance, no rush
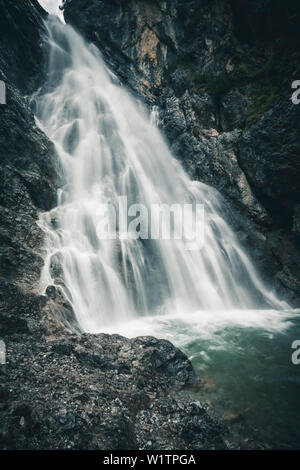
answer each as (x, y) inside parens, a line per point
(262, 103)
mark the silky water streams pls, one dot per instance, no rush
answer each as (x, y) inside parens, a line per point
(209, 301)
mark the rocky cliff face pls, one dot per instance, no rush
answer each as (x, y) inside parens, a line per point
(221, 73)
(210, 72)
(27, 168)
(60, 390)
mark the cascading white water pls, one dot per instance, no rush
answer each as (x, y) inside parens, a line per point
(108, 147)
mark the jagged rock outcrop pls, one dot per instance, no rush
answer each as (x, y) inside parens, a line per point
(103, 392)
(221, 74)
(27, 168)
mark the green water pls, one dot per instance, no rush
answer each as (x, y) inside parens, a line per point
(244, 359)
(251, 379)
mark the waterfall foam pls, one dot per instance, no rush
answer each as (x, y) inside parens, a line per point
(109, 147)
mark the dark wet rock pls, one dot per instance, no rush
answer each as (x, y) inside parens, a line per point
(27, 168)
(221, 74)
(296, 220)
(182, 424)
(61, 309)
(21, 44)
(143, 35)
(103, 392)
(273, 144)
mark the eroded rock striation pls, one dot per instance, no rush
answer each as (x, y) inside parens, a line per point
(27, 168)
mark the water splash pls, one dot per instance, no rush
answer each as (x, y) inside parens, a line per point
(108, 146)
(53, 7)
(154, 116)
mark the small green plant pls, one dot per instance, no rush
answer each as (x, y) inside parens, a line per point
(267, 80)
(261, 104)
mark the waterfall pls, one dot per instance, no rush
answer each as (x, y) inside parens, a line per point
(109, 147)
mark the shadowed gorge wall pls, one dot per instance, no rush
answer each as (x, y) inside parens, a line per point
(27, 168)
